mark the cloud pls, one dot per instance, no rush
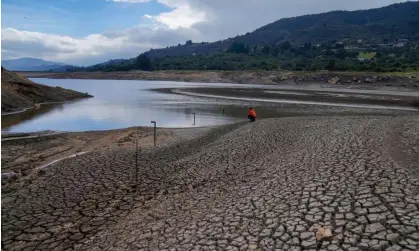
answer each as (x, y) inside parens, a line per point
(180, 17)
(230, 18)
(220, 19)
(199, 20)
(91, 49)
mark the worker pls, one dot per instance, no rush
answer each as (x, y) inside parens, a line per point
(252, 115)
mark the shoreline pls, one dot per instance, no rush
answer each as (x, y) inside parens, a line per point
(368, 79)
(320, 97)
(18, 110)
(304, 102)
(38, 105)
(6, 136)
(288, 97)
(272, 102)
(20, 94)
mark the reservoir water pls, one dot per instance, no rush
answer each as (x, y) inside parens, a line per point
(128, 103)
(119, 104)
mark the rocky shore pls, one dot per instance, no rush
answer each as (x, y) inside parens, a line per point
(19, 93)
(387, 80)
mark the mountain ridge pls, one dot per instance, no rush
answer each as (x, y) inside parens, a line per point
(388, 24)
(391, 22)
(30, 64)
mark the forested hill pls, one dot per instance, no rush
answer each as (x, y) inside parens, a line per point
(384, 39)
(397, 21)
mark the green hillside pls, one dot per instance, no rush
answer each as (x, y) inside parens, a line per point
(383, 39)
(380, 25)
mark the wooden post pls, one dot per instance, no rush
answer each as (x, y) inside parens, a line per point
(154, 122)
(136, 162)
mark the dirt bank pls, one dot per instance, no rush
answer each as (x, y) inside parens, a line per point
(18, 92)
(22, 153)
(247, 77)
(255, 186)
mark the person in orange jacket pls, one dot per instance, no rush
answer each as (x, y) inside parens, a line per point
(252, 115)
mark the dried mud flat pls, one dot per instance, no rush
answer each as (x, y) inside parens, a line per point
(24, 153)
(268, 185)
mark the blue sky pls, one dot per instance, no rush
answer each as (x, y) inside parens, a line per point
(76, 17)
(85, 32)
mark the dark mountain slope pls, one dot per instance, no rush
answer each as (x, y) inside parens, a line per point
(391, 22)
(30, 64)
(397, 21)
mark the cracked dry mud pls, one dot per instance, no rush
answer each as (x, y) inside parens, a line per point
(267, 185)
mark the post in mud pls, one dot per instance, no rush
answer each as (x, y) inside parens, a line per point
(136, 162)
(154, 122)
(135, 181)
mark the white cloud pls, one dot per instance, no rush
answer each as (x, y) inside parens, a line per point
(91, 49)
(225, 19)
(179, 17)
(219, 19)
(199, 20)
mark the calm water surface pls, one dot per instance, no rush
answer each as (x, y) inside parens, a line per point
(119, 104)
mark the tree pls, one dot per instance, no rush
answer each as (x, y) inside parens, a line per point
(339, 46)
(275, 51)
(341, 53)
(142, 62)
(331, 65)
(238, 47)
(189, 42)
(266, 49)
(284, 46)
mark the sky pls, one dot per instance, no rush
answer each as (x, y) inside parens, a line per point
(86, 32)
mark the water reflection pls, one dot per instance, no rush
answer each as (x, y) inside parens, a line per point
(30, 114)
(118, 104)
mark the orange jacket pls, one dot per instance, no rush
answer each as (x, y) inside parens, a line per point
(252, 113)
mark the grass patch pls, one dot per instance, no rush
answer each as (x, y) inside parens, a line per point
(414, 73)
(367, 55)
(402, 74)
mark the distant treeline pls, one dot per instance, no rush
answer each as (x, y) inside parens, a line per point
(331, 55)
